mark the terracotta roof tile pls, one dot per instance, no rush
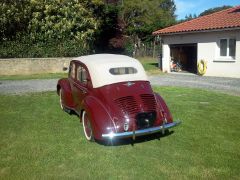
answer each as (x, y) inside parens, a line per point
(229, 18)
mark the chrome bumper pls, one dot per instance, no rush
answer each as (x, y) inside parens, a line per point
(141, 132)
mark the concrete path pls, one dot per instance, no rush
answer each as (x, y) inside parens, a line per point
(25, 86)
(225, 85)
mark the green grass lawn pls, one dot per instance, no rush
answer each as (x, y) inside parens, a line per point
(39, 141)
(150, 65)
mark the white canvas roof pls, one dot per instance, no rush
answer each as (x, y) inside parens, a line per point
(100, 64)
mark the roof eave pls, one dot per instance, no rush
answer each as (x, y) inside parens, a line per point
(196, 31)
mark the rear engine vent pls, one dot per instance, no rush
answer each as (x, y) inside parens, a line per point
(149, 103)
(128, 104)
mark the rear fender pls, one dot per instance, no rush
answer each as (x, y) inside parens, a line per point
(67, 93)
(100, 118)
(164, 108)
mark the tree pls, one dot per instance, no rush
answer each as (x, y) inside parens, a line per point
(108, 29)
(213, 10)
(107, 24)
(141, 18)
(190, 16)
(14, 18)
(206, 12)
(62, 19)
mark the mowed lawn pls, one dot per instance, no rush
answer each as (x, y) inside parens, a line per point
(34, 76)
(39, 141)
(150, 65)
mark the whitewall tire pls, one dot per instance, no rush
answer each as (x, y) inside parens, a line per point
(87, 127)
(60, 99)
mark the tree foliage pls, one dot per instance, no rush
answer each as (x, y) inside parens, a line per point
(62, 19)
(55, 19)
(14, 17)
(141, 18)
(190, 16)
(100, 25)
(213, 10)
(206, 12)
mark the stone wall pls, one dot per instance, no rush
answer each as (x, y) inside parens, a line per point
(23, 66)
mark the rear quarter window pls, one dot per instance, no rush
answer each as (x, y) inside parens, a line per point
(123, 70)
(72, 70)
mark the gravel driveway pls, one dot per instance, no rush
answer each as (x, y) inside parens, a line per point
(25, 86)
(220, 84)
(226, 85)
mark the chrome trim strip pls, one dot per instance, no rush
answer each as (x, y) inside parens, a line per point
(141, 132)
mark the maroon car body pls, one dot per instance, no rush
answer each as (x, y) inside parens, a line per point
(120, 105)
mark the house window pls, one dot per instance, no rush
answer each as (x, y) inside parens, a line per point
(227, 47)
(223, 47)
(232, 47)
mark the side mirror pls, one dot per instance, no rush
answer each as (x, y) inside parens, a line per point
(65, 68)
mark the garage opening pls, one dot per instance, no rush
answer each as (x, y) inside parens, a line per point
(183, 57)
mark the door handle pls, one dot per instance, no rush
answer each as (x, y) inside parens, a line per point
(83, 91)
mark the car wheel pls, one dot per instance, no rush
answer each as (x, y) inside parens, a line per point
(87, 127)
(60, 99)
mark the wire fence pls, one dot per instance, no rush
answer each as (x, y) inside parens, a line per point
(149, 49)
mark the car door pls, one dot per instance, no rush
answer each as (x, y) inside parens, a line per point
(80, 85)
(72, 79)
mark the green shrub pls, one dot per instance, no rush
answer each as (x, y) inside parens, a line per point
(25, 48)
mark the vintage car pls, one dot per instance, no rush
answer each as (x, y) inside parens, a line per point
(113, 98)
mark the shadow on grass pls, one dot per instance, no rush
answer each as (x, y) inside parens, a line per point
(154, 64)
(130, 141)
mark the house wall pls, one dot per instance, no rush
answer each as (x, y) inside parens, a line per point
(21, 66)
(207, 49)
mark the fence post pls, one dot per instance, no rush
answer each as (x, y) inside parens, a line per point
(160, 61)
(154, 47)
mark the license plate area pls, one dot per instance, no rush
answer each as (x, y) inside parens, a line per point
(145, 119)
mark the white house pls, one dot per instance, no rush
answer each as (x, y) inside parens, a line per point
(214, 38)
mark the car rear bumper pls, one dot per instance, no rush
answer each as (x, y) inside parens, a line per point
(141, 132)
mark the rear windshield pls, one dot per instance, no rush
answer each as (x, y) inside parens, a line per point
(123, 70)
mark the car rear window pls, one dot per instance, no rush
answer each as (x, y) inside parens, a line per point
(123, 70)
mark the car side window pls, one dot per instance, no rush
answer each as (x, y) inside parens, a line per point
(82, 74)
(72, 70)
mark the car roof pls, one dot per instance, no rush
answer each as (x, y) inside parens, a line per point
(100, 64)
